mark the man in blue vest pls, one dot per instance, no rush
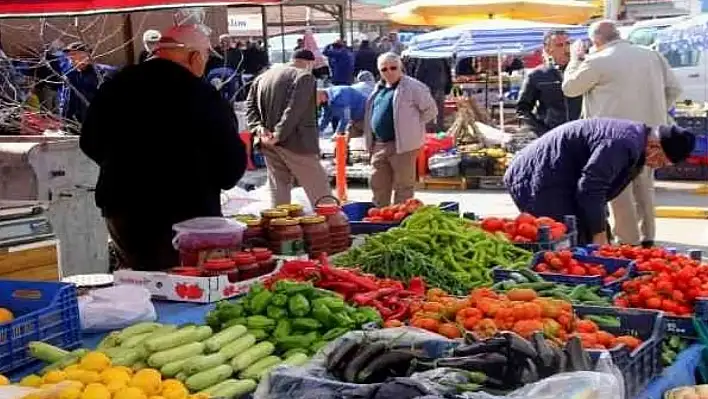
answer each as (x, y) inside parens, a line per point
(345, 104)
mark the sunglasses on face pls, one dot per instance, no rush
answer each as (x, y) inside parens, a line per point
(391, 68)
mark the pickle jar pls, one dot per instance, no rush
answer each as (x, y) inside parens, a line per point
(285, 237)
(221, 267)
(316, 235)
(254, 234)
(339, 229)
(246, 264)
(270, 214)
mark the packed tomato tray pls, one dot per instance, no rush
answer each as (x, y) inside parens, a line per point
(524, 228)
(393, 213)
(673, 283)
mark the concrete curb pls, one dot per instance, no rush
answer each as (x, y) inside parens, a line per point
(698, 190)
(681, 212)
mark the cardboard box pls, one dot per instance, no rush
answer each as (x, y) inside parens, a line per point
(172, 287)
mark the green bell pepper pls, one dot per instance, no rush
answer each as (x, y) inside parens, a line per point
(298, 305)
(276, 312)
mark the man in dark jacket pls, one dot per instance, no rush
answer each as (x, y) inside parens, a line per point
(576, 168)
(436, 73)
(542, 105)
(365, 59)
(166, 144)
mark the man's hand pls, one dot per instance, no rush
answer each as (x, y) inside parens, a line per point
(578, 50)
(267, 137)
(600, 238)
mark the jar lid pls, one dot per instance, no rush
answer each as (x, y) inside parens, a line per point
(261, 253)
(219, 264)
(186, 271)
(274, 213)
(243, 258)
(252, 222)
(327, 209)
(284, 222)
(314, 219)
(291, 207)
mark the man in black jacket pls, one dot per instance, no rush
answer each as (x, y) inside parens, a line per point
(365, 59)
(166, 143)
(436, 73)
(542, 105)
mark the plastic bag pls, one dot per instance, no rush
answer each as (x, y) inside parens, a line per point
(18, 392)
(313, 381)
(115, 308)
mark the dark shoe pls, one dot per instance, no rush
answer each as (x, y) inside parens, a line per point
(647, 244)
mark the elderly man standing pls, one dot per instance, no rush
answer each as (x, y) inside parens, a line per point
(150, 39)
(394, 130)
(281, 111)
(621, 80)
(181, 143)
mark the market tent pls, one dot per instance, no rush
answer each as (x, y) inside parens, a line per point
(46, 8)
(487, 37)
(455, 12)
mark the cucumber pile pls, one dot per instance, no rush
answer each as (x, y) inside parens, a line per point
(291, 316)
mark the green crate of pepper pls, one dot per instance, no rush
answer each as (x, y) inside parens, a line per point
(577, 294)
(443, 249)
(292, 315)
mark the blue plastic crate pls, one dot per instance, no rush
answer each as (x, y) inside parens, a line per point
(44, 311)
(700, 149)
(356, 212)
(697, 124)
(611, 265)
(640, 366)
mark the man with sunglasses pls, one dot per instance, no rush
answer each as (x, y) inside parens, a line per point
(542, 104)
(394, 130)
(166, 143)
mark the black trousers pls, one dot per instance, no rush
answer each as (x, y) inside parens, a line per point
(142, 245)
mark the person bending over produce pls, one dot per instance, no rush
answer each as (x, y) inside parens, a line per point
(576, 168)
(166, 144)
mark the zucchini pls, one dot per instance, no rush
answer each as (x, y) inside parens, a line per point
(231, 389)
(160, 359)
(139, 366)
(218, 340)
(136, 329)
(135, 340)
(181, 377)
(180, 337)
(207, 378)
(204, 362)
(296, 359)
(128, 358)
(259, 368)
(109, 341)
(171, 369)
(203, 332)
(252, 355)
(237, 347)
(45, 352)
(66, 361)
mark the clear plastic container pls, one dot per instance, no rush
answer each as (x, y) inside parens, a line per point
(208, 232)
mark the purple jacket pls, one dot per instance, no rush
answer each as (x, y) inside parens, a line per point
(576, 168)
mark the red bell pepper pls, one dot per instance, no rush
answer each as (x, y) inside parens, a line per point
(417, 286)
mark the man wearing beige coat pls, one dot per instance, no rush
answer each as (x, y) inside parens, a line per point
(620, 80)
(394, 130)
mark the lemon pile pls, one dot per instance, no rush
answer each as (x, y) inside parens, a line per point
(94, 377)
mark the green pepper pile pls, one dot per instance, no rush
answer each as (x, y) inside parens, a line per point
(440, 247)
(292, 315)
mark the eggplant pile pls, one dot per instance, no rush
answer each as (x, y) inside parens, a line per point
(370, 361)
(508, 361)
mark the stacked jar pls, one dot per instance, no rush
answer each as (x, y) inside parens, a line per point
(339, 229)
(316, 234)
(294, 210)
(285, 236)
(247, 265)
(270, 214)
(254, 234)
(264, 257)
(221, 267)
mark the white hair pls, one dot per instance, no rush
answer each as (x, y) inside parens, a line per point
(604, 31)
(389, 57)
(224, 37)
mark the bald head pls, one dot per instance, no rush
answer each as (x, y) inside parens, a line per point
(603, 32)
(187, 45)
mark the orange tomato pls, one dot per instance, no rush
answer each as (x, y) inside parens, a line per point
(450, 330)
(426, 323)
(586, 326)
(393, 323)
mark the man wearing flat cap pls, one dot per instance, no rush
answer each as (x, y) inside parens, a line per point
(166, 143)
(281, 110)
(576, 168)
(82, 80)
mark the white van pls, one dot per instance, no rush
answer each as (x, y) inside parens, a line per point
(644, 32)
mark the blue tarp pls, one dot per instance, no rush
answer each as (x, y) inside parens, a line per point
(488, 37)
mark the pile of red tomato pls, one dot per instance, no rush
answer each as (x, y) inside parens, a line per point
(562, 262)
(392, 213)
(672, 282)
(524, 228)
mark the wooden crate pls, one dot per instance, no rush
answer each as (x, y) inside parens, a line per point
(443, 183)
(37, 262)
